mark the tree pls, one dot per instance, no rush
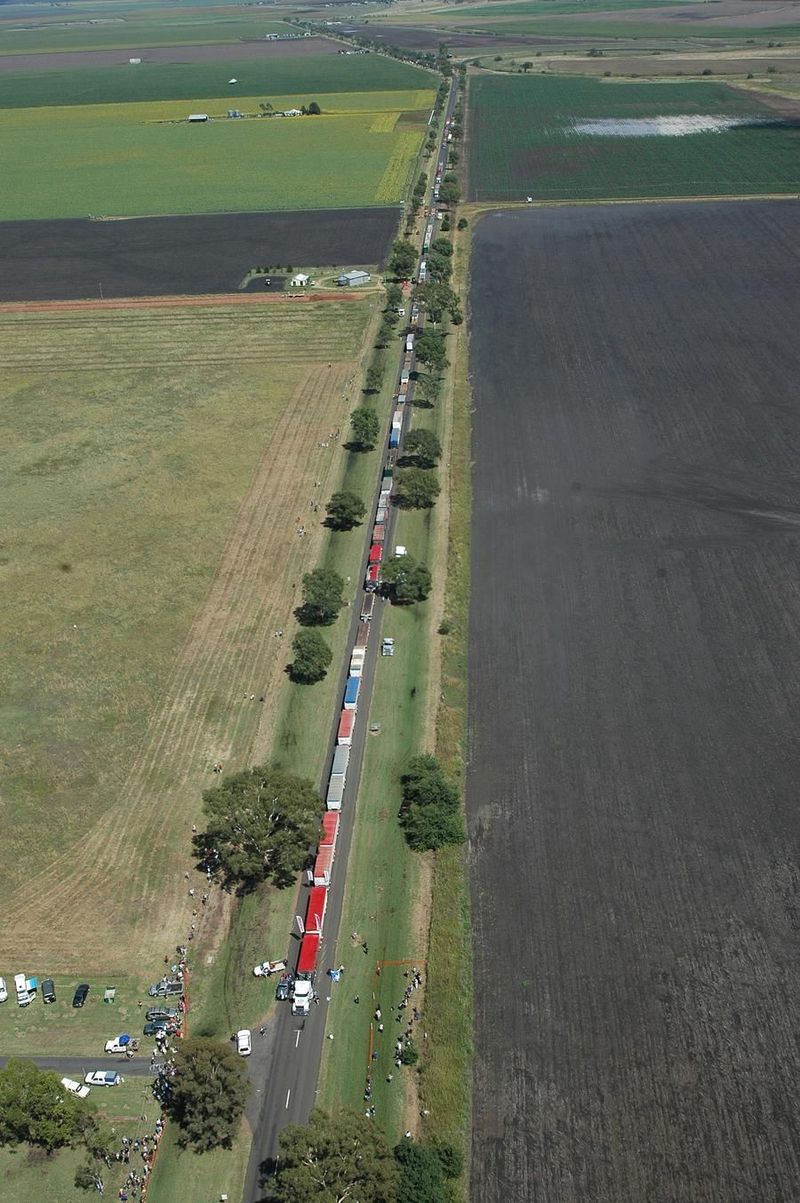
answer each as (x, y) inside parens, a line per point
(314, 109)
(430, 815)
(428, 389)
(265, 107)
(345, 510)
(442, 246)
(436, 298)
(366, 427)
(423, 447)
(416, 489)
(259, 825)
(208, 1093)
(36, 1109)
(322, 598)
(449, 192)
(405, 580)
(374, 378)
(429, 348)
(312, 657)
(335, 1158)
(421, 1177)
(403, 260)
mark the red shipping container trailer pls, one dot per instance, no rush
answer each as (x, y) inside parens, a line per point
(315, 911)
(375, 553)
(346, 724)
(378, 532)
(309, 951)
(330, 830)
(373, 577)
(323, 865)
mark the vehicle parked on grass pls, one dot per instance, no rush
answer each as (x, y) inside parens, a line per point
(166, 988)
(121, 1044)
(283, 990)
(3, 990)
(244, 1043)
(103, 1077)
(48, 991)
(387, 647)
(162, 1013)
(170, 1026)
(80, 995)
(74, 1087)
(22, 986)
(265, 968)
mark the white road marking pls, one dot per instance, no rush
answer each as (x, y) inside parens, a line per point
(297, 1038)
(288, 1096)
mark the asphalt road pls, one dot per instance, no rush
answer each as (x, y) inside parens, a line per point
(285, 1063)
(78, 1066)
(634, 697)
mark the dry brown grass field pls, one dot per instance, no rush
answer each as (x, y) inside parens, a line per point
(158, 462)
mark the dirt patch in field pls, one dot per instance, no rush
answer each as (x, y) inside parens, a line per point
(231, 654)
(730, 14)
(634, 686)
(169, 256)
(67, 59)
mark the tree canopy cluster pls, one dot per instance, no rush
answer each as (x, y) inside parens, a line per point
(347, 1156)
(421, 448)
(430, 815)
(416, 488)
(312, 657)
(345, 510)
(404, 580)
(366, 427)
(259, 826)
(207, 1094)
(403, 259)
(322, 598)
(35, 1109)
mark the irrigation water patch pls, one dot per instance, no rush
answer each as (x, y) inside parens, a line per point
(667, 127)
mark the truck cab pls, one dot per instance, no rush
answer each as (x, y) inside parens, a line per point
(302, 997)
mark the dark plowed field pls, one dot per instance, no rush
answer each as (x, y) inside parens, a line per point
(165, 256)
(635, 693)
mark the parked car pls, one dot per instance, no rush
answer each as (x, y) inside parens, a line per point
(76, 1087)
(166, 988)
(48, 991)
(103, 1077)
(24, 995)
(79, 997)
(387, 647)
(283, 990)
(162, 1013)
(244, 1044)
(160, 1025)
(3, 990)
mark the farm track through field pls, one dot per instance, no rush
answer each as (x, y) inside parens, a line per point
(229, 654)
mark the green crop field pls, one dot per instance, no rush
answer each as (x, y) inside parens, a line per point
(155, 459)
(133, 30)
(135, 160)
(524, 142)
(311, 77)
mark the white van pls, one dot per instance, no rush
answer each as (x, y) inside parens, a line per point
(24, 995)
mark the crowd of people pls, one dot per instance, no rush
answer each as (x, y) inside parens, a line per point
(404, 1039)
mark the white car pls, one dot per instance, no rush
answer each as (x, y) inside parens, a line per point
(244, 1044)
(3, 990)
(75, 1088)
(120, 1044)
(103, 1077)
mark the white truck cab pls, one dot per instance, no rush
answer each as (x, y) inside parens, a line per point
(303, 994)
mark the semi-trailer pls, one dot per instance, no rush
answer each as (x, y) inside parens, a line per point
(357, 661)
(330, 831)
(351, 693)
(344, 735)
(378, 533)
(323, 865)
(341, 759)
(409, 342)
(367, 607)
(335, 794)
(373, 578)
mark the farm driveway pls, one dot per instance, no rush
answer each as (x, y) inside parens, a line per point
(634, 686)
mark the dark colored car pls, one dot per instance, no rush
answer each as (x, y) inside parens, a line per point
(79, 997)
(161, 1025)
(283, 990)
(163, 1013)
(49, 990)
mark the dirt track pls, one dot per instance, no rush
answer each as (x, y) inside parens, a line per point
(635, 685)
(232, 298)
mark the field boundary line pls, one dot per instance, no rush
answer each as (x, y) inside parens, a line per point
(179, 302)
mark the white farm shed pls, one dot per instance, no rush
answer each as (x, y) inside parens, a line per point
(352, 279)
(300, 280)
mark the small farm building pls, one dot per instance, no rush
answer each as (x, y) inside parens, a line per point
(198, 116)
(350, 279)
(300, 280)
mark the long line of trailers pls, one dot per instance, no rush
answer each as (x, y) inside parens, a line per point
(326, 849)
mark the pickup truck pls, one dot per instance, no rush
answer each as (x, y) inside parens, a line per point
(265, 968)
(121, 1044)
